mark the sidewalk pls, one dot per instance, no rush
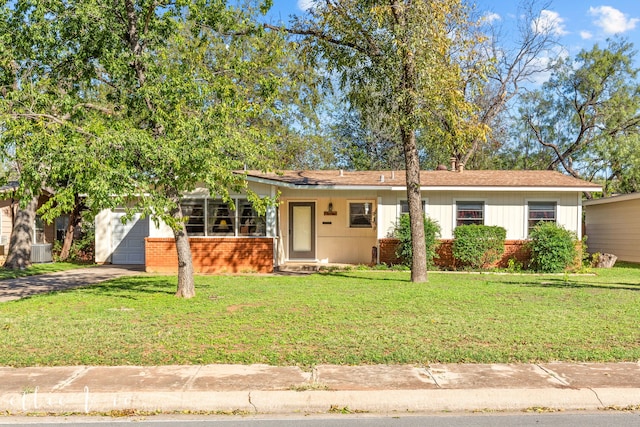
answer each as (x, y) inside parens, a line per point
(276, 390)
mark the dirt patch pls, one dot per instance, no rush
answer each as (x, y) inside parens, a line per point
(238, 307)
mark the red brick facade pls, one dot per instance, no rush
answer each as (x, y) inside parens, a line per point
(212, 255)
(512, 249)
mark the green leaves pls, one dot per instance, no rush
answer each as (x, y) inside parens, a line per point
(111, 99)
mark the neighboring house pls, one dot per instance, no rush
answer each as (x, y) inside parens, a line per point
(613, 226)
(332, 216)
(44, 235)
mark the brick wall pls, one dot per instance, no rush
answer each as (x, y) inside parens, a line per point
(512, 249)
(212, 255)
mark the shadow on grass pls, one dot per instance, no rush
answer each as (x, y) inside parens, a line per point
(372, 275)
(572, 283)
(128, 287)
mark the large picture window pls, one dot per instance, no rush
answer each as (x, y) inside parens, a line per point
(361, 215)
(214, 217)
(541, 212)
(468, 213)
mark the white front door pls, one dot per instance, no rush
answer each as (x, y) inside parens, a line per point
(302, 230)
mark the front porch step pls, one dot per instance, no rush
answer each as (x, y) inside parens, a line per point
(309, 267)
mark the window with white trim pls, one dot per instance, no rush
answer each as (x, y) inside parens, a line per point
(216, 218)
(360, 214)
(39, 236)
(404, 207)
(193, 210)
(540, 212)
(468, 213)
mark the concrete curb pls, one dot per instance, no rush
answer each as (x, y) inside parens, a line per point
(321, 401)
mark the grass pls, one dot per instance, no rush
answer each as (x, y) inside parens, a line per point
(355, 317)
(35, 269)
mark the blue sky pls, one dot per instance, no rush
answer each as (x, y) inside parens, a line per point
(578, 23)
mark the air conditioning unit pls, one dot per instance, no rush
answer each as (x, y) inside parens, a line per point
(41, 252)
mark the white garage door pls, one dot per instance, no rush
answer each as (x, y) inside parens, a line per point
(128, 239)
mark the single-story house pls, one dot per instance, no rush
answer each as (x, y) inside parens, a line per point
(613, 226)
(336, 216)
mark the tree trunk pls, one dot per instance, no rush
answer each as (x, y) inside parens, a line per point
(19, 256)
(412, 164)
(414, 200)
(186, 286)
(74, 220)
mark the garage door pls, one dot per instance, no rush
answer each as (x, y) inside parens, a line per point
(128, 239)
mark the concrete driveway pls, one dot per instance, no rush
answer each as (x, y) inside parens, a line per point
(13, 289)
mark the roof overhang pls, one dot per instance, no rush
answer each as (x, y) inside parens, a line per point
(316, 187)
(612, 199)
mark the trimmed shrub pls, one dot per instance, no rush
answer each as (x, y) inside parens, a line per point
(553, 248)
(477, 246)
(403, 233)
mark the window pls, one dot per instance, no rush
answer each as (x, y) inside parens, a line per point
(39, 236)
(541, 212)
(214, 217)
(221, 219)
(404, 207)
(249, 222)
(361, 215)
(62, 222)
(193, 209)
(469, 213)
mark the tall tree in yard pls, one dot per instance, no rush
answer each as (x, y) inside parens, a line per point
(587, 116)
(157, 99)
(401, 59)
(517, 59)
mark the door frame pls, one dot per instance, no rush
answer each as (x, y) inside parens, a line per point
(302, 255)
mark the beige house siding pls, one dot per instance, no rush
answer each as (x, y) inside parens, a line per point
(612, 226)
(335, 241)
(506, 209)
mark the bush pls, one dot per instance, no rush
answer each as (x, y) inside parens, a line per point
(553, 248)
(477, 246)
(82, 249)
(403, 233)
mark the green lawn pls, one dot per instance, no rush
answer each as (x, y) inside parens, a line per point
(342, 318)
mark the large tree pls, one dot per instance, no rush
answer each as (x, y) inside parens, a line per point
(586, 118)
(157, 98)
(518, 57)
(399, 58)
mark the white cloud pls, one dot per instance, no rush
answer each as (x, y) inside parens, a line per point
(586, 35)
(611, 20)
(549, 22)
(305, 4)
(490, 18)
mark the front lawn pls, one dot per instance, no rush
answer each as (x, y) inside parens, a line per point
(340, 318)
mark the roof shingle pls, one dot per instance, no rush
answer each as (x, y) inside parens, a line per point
(467, 178)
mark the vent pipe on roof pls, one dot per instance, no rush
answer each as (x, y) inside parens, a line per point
(453, 161)
(341, 172)
(381, 178)
(460, 167)
(393, 174)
